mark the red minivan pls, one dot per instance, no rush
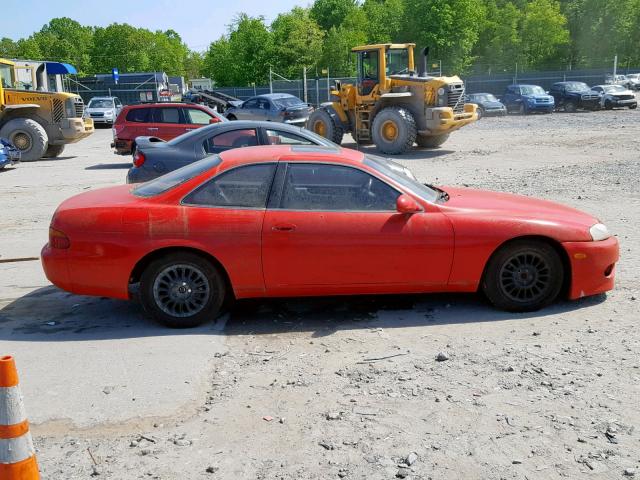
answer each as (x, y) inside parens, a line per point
(162, 120)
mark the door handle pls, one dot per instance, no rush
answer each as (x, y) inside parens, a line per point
(285, 227)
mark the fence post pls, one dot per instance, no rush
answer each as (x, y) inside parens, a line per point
(304, 84)
(317, 92)
(270, 81)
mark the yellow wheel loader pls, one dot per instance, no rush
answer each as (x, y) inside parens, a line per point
(391, 105)
(39, 123)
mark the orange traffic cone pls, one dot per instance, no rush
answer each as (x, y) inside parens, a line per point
(17, 455)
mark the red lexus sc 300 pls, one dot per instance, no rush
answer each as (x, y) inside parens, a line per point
(278, 221)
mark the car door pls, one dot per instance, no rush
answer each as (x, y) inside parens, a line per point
(225, 214)
(247, 110)
(335, 229)
(168, 123)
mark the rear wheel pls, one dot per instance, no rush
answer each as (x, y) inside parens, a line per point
(432, 141)
(54, 151)
(523, 276)
(28, 136)
(394, 130)
(322, 123)
(182, 290)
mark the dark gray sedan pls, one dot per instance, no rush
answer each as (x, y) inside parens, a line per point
(155, 157)
(273, 107)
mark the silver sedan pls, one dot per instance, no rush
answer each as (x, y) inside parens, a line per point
(272, 107)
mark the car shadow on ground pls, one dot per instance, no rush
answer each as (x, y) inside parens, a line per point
(415, 153)
(50, 314)
(110, 166)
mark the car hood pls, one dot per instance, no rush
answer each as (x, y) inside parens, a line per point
(98, 110)
(496, 205)
(491, 104)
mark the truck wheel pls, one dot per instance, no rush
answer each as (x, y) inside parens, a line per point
(182, 290)
(432, 141)
(54, 151)
(570, 107)
(394, 130)
(322, 123)
(28, 136)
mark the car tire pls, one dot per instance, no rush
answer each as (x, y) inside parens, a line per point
(27, 133)
(570, 107)
(182, 290)
(322, 123)
(608, 105)
(633, 107)
(54, 151)
(523, 276)
(232, 118)
(480, 113)
(394, 130)
(433, 141)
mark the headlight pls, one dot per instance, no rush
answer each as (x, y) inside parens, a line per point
(69, 108)
(441, 91)
(599, 232)
(108, 113)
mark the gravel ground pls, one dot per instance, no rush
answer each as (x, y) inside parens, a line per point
(431, 386)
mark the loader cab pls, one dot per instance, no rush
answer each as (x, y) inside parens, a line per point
(376, 63)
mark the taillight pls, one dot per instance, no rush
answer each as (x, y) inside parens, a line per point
(138, 158)
(57, 239)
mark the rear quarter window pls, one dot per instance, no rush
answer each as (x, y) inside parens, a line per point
(172, 179)
(138, 115)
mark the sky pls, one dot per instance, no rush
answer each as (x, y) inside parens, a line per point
(199, 22)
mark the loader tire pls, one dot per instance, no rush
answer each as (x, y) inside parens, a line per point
(394, 130)
(432, 141)
(54, 151)
(28, 136)
(322, 123)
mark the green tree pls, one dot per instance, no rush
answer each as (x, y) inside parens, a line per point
(297, 41)
(450, 28)
(336, 51)
(243, 56)
(193, 64)
(123, 46)
(8, 48)
(498, 46)
(385, 20)
(332, 13)
(544, 33)
(66, 40)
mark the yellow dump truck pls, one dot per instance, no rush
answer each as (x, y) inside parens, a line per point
(392, 105)
(39, 123)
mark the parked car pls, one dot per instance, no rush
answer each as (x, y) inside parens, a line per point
(571, 96)
(612, 96)
(272, 107)
(618, 79)
(9, 154)
(103, 109)
(526, 99)
(161, 120)
(282, 220)
(634, 81)
(154, 158)
(487, 103)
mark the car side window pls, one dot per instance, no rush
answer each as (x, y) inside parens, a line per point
(250, 104)
(278, 137)
(323, 187)
(263, 104)
(198, 116)
(244, 187)
(231, 139)
(138, 115)
(167, 115)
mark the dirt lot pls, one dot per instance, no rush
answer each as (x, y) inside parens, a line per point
(348, 387)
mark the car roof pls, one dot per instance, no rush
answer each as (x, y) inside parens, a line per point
(292, 153)
(102, 98)
(524, 85)
(275, 96)
(166, 104)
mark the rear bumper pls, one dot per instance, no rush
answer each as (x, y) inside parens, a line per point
(592, 266)
(75, 129)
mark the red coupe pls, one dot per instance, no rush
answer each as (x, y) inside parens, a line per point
(284, 221)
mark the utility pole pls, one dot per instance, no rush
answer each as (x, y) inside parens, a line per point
(270, 81)
(304, 80)
(615, 66)
(328, 86)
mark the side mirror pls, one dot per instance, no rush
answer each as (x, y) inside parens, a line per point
(213, 120)
(406, 204)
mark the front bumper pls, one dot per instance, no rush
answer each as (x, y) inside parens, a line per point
(624, 103)
(541, 107)
(75, 129)
(592, 266)
(441, 120)
(56, 267)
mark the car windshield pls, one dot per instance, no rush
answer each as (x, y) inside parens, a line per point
(633, 76)
(402, 175)
(100, 103)
(614, 88)
(287, 102)
(397, 61)
(483, 97)
(532, 90)
(577, 87)
(177, 177)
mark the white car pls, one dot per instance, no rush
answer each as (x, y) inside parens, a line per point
(615, 96)
(103, 109)
(634, 81)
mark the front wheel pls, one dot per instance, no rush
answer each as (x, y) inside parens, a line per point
(480, 113)
(608, 105)
(394, 130)
(522, 109)
(570, 107)
(633, 107)
(28, 136)
(182, 290)
(432, 141)
(523, 276)
(322, 123)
